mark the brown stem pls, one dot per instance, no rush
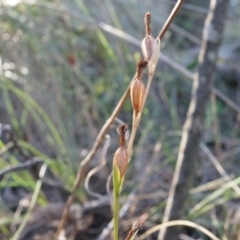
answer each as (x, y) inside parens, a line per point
(170, 19)
(147, 21)
(20, 166)
(137, 225)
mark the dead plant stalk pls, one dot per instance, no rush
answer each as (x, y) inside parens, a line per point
(83, 167)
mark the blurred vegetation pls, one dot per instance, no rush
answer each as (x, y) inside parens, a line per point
(62, 76)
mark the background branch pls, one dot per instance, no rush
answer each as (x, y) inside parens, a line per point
(20, 166)
(193, 126)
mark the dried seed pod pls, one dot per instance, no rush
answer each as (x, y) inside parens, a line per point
(148, 45)
(137, 93)
(120, 159)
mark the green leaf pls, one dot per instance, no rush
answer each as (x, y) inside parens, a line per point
(117, 182)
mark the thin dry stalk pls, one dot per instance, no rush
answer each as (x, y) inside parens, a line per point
(97, 168)
(170, 19)
(20, 166)
(136, 226)
(145, 175)
(219, 167)
(218, 183)
(178, 223)
(215, 127)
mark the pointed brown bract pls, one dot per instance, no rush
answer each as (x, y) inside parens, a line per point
(121, 130)
(142, 64)
(121, 155)
(147, 21)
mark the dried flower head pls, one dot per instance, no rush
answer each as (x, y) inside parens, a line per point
(148, 43)
(137, 94)
(121, 155)
(137, 89)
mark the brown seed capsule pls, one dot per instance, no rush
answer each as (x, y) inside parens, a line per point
(148, 45)
(121, 160)
(137, 93)
(121, 155)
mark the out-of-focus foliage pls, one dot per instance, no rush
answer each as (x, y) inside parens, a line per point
(62, 76)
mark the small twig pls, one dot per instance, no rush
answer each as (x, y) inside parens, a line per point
(178, 223)
(98, 168)
(42, 172)
(20, 166)
(146, 173)
(225, 99)
(136, 226)
(170, 19)
(210, 185)
(215, 126)
(219, 167)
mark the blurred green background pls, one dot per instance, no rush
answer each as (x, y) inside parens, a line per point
(65, 65)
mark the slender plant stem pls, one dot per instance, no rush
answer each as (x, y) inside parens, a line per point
(170, 19)
(115, 215)
(132, 136)
(20, 166)
(178, 223)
